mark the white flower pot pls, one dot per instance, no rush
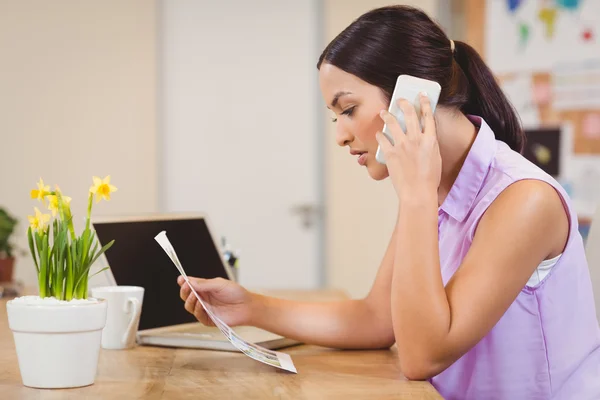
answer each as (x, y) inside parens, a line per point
(57, 342)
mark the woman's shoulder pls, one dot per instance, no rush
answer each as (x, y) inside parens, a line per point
(512, 180)
(515, 164)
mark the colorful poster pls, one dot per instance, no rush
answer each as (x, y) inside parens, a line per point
(534, 35)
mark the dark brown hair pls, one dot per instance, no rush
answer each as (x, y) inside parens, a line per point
(394, 40)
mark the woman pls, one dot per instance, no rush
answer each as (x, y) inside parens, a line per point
(484, 286)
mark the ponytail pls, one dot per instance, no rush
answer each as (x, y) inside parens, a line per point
(486, 99)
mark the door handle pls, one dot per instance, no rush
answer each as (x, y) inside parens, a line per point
(308, 212)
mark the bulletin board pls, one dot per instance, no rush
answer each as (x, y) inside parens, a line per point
(546, 56)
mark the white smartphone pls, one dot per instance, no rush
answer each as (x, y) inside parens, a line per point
(408, 87)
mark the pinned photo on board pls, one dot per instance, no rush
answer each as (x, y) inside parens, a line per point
(543, 149)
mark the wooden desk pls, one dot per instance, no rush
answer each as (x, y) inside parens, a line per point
(164, 373)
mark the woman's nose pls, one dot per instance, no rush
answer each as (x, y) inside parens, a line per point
(342, 136)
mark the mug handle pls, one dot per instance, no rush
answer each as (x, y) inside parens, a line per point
(135, 317)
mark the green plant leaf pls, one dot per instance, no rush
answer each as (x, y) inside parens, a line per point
(60, 246)
(69, 277)
(97, 272)
(32, 249)
(93, 252)
(43, 275)
(38, 242)
(86, 246)
(80, 252)
(87, 267)
(102, 251)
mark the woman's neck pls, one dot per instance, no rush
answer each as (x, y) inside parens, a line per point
(456, 134)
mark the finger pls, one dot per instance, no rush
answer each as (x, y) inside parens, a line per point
(194, 307)
(208, 285)
(184, 292)
(427, 115)
(384, 142)
(201, 286)
(180, 280)
(190, 303)
(392, 125)
(411, 119)
(202, 316)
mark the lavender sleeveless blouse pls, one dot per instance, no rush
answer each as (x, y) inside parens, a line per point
(547, 344)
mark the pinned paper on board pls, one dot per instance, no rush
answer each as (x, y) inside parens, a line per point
(542, 93)
(576, 85)
(591, 125)
(586, 140)
(518, 89)
(586, 187)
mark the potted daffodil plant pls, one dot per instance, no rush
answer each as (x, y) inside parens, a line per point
(58, 333)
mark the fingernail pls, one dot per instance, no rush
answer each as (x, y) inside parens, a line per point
(382, 113)
(423, 94)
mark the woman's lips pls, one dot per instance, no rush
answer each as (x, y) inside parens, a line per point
(362, 159)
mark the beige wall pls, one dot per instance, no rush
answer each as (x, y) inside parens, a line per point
(77, 98)
(360, 212)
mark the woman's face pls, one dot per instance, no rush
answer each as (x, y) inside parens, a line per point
(356, 105)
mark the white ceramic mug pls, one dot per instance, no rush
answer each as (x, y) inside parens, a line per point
(123, 315)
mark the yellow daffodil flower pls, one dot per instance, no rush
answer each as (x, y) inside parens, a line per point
(39, 221)
(41, 192)
(102, 188)
(53, 203)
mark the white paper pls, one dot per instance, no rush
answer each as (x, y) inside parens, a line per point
(273, 358)
(586, 186)
(576, 86)
(519, 90)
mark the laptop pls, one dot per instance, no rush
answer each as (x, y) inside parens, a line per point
(137, 259)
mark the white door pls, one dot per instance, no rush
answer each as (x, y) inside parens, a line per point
(239, 104)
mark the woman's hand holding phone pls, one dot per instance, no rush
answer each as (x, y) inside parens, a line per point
(413, 160)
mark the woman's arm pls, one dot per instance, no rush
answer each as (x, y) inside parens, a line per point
(434, 326)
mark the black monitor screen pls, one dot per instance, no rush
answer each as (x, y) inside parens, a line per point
(137, 259)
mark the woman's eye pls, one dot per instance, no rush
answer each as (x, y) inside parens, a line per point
(348, 111)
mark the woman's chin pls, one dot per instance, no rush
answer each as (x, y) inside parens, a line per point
(377, 171)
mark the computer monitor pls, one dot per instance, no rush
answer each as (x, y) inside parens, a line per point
(137, 259)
